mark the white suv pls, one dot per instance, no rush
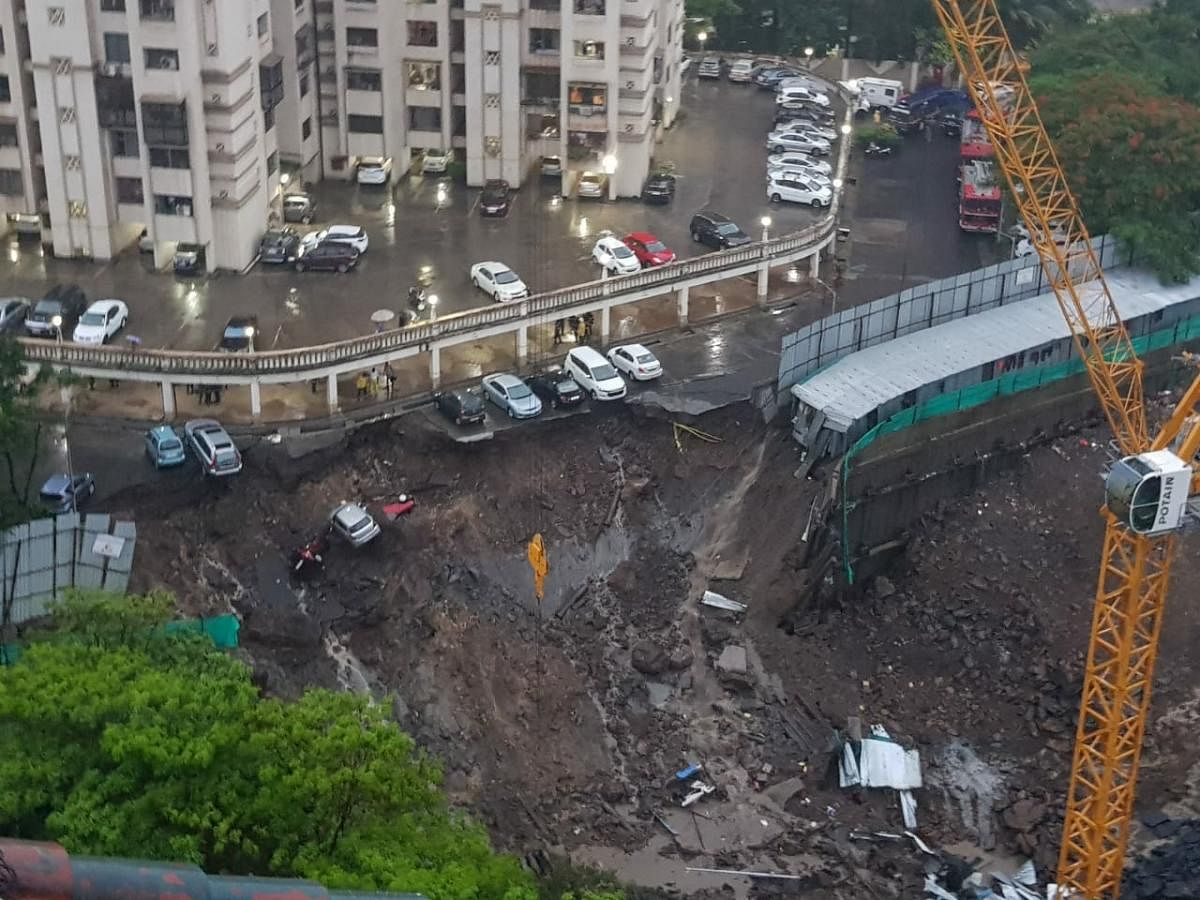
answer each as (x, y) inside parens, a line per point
(213, 447)
(795, 189)
(594, 374)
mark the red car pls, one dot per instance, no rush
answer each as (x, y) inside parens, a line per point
(649, 250)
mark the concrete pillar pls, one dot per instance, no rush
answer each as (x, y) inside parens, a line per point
(331, 392)
(168, 399)
(522, 346)
(255, 399)
(681, 304)
(814, 265)
(605, 325)
(435, 366)
(764, 274)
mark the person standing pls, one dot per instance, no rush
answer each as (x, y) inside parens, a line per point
(389, 375)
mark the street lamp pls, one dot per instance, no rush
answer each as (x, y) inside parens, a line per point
(765, 222)
(433, 303)
(837, 184)
(609, 164)
(250, 336)
(702, 37)
(808, 54)
(846, 129)
(56, 321)
(284, 178)
(65, 395)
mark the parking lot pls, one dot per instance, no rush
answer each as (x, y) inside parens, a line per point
(418, 233)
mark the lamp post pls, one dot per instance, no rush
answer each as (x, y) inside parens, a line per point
(702, 37)
(284, 179)
(765, 222)
(846, 129)
(433, 304)
(609, 165)
(250, 336)
(808, 55)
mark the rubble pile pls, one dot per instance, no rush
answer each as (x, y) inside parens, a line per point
(1172, 868)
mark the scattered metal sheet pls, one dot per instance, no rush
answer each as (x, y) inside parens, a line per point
(720, 601)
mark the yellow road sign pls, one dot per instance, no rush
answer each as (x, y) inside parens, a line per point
(539, 564)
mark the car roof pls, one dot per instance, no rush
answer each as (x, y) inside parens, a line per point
(56, 483)
(103, 305)
(632, 348)
(297, 198)
(588, 354)
(371, 161)
(610, 240)
(347, 509)
(241, 321)
(353, 230)
(713, 216)
(493, 266)
(164, 431)
(504, 379)
(644, 237)
(590, 175)
(202, 425)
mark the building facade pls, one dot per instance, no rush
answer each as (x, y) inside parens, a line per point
(172, 118)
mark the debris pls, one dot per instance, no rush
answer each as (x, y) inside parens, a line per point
(667, 825)
(933, 889)
(694, 432)
(688, 771)
(403, 505)
(745, 874)
(699, 789)
(711, 598)
(908, 809)
(649, 658)
(732, 660)
(785, 790)
(878, 761)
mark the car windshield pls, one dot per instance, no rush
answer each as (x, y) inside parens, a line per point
(234, 332)
(644, 358)
(655, 246)
(620, 251)
(47, 307)
(603, 372)
(91, 319)
(362, 523)
(518, 392)
(727, 228)
(567, 386)
(506, 277)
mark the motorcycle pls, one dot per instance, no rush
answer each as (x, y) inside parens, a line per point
(877, 150)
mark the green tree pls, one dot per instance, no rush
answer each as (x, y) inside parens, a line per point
(20, 435)
(118, 740)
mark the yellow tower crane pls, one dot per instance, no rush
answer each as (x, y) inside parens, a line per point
(1146, 492)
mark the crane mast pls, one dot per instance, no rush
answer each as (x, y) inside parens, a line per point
(1146, 492)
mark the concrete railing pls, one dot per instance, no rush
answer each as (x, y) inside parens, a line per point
(185, 365)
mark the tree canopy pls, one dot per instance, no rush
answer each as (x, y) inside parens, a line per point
(119, 740)
(20, 433)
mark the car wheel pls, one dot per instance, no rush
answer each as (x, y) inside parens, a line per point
(510, 412)
(775, 198)
(300, 267)
(343, 269)
(695, 237)
(778, 148)
(817, 204)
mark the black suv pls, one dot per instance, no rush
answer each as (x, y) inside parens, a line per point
(65, 301)
(460, 407)
(328, 256)
(281, 246)
(556, 387)
(659, 188)
(495, 199)
(718, 231)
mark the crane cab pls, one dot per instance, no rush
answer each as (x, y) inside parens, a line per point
(1148, 493)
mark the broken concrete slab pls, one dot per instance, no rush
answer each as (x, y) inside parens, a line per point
(733, 661)
(785, 790)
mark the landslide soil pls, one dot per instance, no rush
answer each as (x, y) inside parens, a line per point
(561, 728)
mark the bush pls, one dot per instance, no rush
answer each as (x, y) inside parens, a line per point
(884, 135)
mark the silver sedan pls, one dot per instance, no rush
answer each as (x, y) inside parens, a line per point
(512, 395)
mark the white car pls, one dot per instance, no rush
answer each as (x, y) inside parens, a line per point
(103, 319)
(594, 374)
(799, 126)
(498, 281)
(615, 256)
(799, 161)
(802, 174)
(374, 170)
(741, 70)
(434, 162)
(354, 524)
(797, 190)
(353, 235)
(783, 141)
(801, 95)
(635, 361)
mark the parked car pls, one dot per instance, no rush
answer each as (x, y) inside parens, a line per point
(795, 189)
(498, 281)
(951, 125)
(163, 447)
(213, 446)
(648, 249)
(330, 256)
(794, 160)
(299, 208)
(592, 186)
(801, 94)
(65, 302)
(145, 243)
(103, 319)
(63, 494)
(551, 166)
(556, 387)
(512, 395)
(374, 170)
(770, 76)
(710, 67)
(783, 141)
(188, 259)
(801, 174)
(353, 235)
(659, 188)
(239, 334)
(800, 80)
(742, 70)
(354, 524)
(802, 126)
(434, 162)
(594, 374)
(717, 231)
(808, 112)
(13, 311)
(635, 361)
(685, 63)
(462, 407)
(279, 246)
(615, 257)
(496, 198)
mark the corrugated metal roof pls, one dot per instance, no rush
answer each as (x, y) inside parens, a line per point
(855, 385)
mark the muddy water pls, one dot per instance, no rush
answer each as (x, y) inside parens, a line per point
(649, 868)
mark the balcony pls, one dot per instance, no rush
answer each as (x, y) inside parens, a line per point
(157, 10)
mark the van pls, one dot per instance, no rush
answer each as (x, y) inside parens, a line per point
(877, 93)
(595, 374)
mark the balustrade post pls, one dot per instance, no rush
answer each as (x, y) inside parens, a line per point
(168, 400)
(522, 345)
(681, 303)
(814, 265)
(331, 392)
(435, 366)
(255, 400)
(605, 324)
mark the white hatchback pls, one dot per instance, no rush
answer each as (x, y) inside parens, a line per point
(103, 319)
(434, 162)
(798, 161)
(374, 170)
(794, 189)
(353, 235)
(615, 257)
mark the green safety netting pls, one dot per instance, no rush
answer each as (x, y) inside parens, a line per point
(221, 630)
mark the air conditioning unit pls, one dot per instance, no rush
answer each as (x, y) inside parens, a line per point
(110, 70)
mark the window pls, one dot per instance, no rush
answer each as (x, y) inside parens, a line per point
(124, 143)
(112, 5)
(365, 124)
(364, 80)
(424, 118)
(11, 184)
(425, 76)
(8, 134)
(589, 49)
(304, 46)
(1, 41)
(264, 24)
(272, 163)
(304, 84)
(165, 124)
(161, 10)
(458, 33)
(129, 190)
(170, 158)
(589, 7)
(362, 37)
(5, 92)
(587, 99)
(542, 87)
(268, 119)
(170, 205)
(544, 40)
(306, 129)
(270, 83)
(299, 4)
(422, 34)
(162, 58)
(116, 47)
(552, 5)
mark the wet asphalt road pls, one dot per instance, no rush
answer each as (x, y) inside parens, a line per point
(415, 233)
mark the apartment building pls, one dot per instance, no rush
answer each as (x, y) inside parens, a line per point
(503, 82)
(151, 115)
